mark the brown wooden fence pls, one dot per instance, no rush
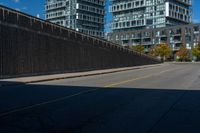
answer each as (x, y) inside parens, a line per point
(31, 46)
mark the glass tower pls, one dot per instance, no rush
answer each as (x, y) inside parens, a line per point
(145, 14)
(86, 16)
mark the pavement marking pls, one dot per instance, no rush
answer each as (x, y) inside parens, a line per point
(77, 94)
(104, 72)
(44, 103)
(146, 68)
(139, 78)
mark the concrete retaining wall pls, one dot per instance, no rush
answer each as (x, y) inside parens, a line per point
(30, 46)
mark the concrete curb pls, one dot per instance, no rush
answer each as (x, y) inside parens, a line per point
(185, 62)
(15, 81)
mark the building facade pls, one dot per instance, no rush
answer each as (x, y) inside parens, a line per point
(86, 16)
(144, 14)
(175, 36)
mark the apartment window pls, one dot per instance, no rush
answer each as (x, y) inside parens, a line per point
(116, 25)
(149, 21)
(124, 24)
(139, 22)
(133, 23)
(142, 2)
(137, 3)
(129, 5)
(196, 28)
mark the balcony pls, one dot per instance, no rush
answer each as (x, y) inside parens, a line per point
(186, 2)
(176, 48)
(163, 36)
(124, 25)
(176, 34)
(91, 9)
(123, 6)
(147, 43)
(176, 41)
(136, 38)
(97, 2)
(196, 32)
(124, 39)
(146, 37)
(56, 6)
(57, 14)
(89, 18)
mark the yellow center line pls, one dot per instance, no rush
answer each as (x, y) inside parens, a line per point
(73, 95)
(135, 79)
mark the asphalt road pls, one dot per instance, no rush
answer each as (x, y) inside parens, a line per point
(162, 99)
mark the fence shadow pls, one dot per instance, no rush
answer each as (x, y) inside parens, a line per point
(72, 109)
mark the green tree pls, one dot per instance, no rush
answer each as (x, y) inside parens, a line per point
(183, 54)
(196, 51)
(162, 50)
(138, 48)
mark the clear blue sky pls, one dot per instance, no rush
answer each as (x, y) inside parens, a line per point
(34, 7)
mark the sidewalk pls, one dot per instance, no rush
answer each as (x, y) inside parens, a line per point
(34, 79)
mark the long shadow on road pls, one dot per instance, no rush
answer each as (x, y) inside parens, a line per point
(69, 109)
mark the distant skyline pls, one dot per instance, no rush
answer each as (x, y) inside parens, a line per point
(36, 8)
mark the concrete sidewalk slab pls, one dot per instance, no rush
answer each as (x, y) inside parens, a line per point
(41, 78)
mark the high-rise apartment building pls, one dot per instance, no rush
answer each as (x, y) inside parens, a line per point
(86, 16)
(144, 14)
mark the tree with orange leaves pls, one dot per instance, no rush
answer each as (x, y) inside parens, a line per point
(183, 54)
(162, 50)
